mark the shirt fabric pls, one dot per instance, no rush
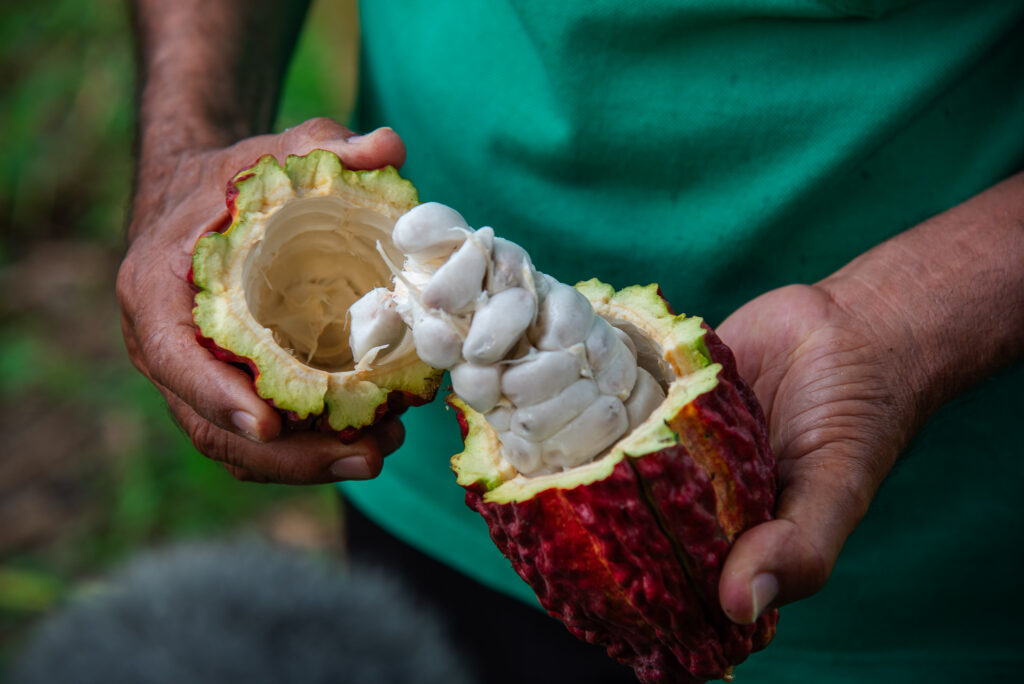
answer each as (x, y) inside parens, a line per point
(723, 149)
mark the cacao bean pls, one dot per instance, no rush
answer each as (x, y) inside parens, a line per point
(510, 267)
(646, 396)
(500, 418)
(479, 386)
(612, 363)
(457, 284)
(374, 323)
(564, 318)
(626, 339)
(542, 375)
(538, 422)
(524, 455)
(430, 231)
(543, 284)
(616, 373)
(437, 343)
(600, 340)
(498, 325)
(587, 435)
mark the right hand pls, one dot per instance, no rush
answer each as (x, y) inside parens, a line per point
(178, 199)
(834, 383)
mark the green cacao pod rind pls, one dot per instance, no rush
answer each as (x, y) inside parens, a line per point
(328, 220)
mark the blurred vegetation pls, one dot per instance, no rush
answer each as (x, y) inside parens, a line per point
(67, 78)
(94, 467)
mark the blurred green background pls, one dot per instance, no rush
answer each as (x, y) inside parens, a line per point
(93, 468)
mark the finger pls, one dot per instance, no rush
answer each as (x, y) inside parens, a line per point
(824, 497)
(294, 458)
(389, 434)
(748, 358)
(162, 343)
(156, 305)
(375, 150)
(239, 473)
(221, 393)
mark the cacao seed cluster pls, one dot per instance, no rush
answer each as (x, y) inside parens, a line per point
(557, 382)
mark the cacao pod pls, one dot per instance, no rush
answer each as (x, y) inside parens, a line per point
(274, 289)
(627, 550)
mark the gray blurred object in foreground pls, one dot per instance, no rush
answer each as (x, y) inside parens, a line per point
(243, 612)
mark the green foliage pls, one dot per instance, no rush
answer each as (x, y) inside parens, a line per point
(314, 83)
(67, 115)
(28, 362)
(28, 590)
(126, 474)
(66, 122)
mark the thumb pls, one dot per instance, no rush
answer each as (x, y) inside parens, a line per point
(374, 150)
(790, 558)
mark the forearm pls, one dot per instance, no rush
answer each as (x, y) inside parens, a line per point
(949, 293)
(210, 72)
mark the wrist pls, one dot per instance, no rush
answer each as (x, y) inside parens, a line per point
(945, 298)
(157, 173)
(172, 125)
(210, 73)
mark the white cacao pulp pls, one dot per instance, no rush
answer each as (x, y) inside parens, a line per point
(559, 384)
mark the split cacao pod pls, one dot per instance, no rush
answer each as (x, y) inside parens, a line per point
(627, 551)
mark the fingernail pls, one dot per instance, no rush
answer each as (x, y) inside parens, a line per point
(355, 139)
(246, 423)
(351, 468)
(763, 588)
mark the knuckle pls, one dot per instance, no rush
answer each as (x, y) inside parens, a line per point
(294, 471)
(811, 578)
(286, 474)
(390, 435)
(136, 357)
(375, 465)
(811, 565)
(131, 344)
(818, 568)
(861, 476)
(124, 286)
(155, 344)
(319, 129)
(243, 474)
(850, 474)
(209, 440)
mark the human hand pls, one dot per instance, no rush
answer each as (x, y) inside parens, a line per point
(179, 198)
(835, 390)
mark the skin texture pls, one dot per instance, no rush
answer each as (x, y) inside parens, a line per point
(847, 369)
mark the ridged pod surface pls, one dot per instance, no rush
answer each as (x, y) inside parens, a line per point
(627, 551)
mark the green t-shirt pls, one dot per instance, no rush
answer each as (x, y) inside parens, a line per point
(722, 149)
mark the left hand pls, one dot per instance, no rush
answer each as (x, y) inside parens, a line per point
(180, 197)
